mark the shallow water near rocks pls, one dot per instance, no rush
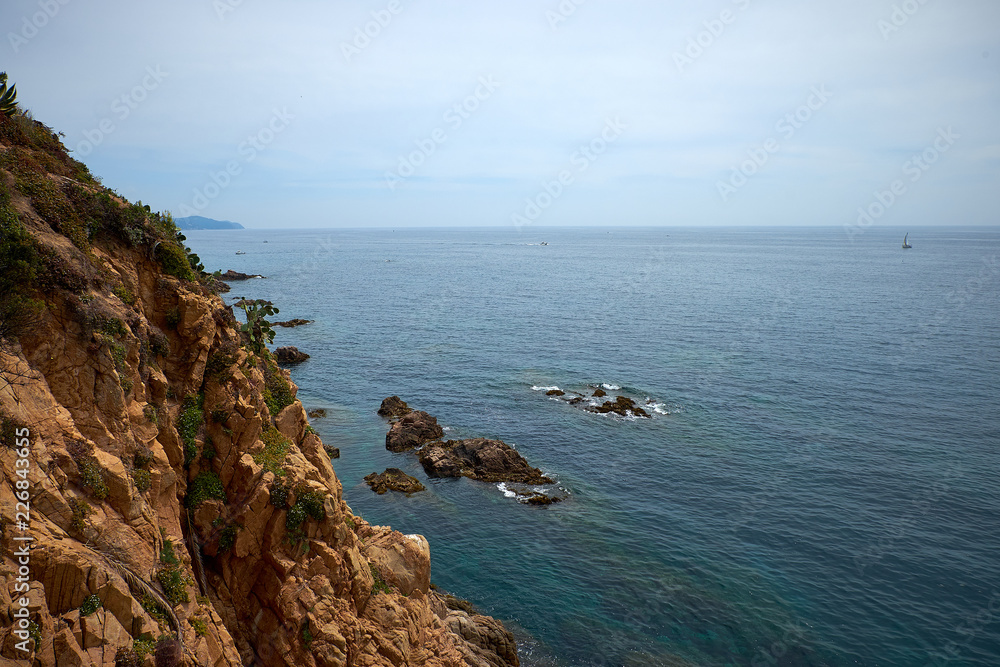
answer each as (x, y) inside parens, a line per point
(819, 487)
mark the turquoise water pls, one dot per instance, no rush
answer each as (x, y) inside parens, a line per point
(820, 483)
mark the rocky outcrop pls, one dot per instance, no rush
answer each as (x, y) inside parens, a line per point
(481, 459)
(234, 276)
(293, 323)
(393, 479)
(289, 355)
(555, 392)
(599, 393)
(318, 413)
(393, 408)
(172, 473)
(412, 430)
(622, 406)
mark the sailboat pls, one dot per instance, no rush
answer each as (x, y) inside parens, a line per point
(906, 246)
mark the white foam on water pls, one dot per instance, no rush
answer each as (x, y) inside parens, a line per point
(537, 388)
(506, 492)
(611, 387)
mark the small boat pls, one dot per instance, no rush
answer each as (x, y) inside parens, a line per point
(544, 243)
(906, 246)
(241, 252)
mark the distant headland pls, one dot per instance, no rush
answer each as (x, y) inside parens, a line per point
(199, 222)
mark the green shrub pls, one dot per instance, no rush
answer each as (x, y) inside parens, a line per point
(174, 584)
(153, 608)
(275, 449)
(152, 413)
(199, 625)
(19, 264)
(188, 424)
(142, 479)
(279, 495)
(277, 392)
(173, 317)
(92, 477)
(379, 585)
(167, 555)
(174, 260)
(219, 364)
(124, 294)
(308, 504)
(206, 486)
(220, 415)
(90, 604)
(228, 537)
(143, 646)
(80, 512)
(307, 635)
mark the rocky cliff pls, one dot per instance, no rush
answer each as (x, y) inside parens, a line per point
(179, 508)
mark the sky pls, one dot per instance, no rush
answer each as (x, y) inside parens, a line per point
(391, 113)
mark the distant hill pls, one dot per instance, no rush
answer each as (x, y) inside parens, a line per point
(198, 222)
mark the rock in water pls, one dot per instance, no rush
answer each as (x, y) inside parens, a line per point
(622, 406)
(318, 413)
(411, 431)
(293, 323)
(599, 393)
(393, 479)
(481, 459)
(555, 392)
(231, 276)
(394, 407)
(289, 355)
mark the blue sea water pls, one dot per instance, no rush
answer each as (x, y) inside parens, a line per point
(819, 484)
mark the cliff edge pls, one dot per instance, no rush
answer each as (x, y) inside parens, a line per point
(161, 483)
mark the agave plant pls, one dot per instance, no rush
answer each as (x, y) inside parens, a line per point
(8, 96)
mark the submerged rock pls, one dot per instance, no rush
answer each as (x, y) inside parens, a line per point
(411, 431)
(318, 413)
(537, 498)
(293, 323)
(623, 406)
(393, 479)
(393, 408)
(289, 355)
(555, 392)
(231, 276)
(480, 459)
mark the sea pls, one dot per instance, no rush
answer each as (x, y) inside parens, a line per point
(818, 483)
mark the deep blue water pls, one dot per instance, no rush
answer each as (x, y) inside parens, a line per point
(823, 490)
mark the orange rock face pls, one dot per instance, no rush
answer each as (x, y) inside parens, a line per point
(161, 482)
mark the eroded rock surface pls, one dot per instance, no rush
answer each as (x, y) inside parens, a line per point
(481, 459)
(172, 472)
(393, 479)
(412, 430)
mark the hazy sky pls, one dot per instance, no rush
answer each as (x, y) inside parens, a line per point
(585, 112)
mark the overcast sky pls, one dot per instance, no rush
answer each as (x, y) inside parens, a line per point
(732, 112)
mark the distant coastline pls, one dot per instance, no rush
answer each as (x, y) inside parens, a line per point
(195, 222)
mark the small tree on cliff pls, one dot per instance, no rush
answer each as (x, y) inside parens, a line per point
(257, 331)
